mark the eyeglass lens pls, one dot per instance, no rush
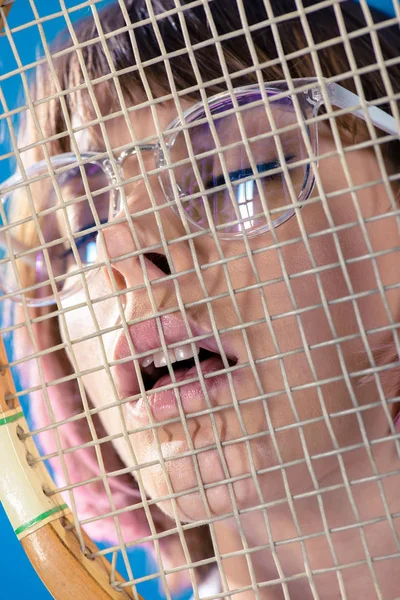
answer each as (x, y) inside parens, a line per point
(62, 207)
(221, 163)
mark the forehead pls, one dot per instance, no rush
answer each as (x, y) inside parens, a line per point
(122, 127)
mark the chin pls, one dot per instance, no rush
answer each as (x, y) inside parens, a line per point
(197, 485)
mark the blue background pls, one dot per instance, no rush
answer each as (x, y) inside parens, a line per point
(16, 567)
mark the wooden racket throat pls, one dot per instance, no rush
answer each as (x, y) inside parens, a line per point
(44, 523)
(5, 7)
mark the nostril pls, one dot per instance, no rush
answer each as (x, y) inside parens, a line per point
(159, 260)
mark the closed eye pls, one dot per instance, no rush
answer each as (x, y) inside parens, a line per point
(246, 172)
(85, 244)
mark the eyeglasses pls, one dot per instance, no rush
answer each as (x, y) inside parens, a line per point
(225, 173)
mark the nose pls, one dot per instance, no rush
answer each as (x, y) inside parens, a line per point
(145, 245)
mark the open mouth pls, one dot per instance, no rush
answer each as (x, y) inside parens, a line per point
(155, 376)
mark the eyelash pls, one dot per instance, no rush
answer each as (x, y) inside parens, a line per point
(78, 243)
(241, 174)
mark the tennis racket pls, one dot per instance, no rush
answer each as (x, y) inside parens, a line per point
(243, 137)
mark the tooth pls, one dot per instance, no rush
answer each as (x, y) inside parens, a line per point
(147, 361)
(160, 360)
(185, 352)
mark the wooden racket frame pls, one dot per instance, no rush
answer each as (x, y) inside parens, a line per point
(6, 9)
(51, 543)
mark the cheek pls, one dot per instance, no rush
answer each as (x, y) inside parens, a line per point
(331, 274)
(93, 353)
(80, 323)
(87, 348)
(321, 289)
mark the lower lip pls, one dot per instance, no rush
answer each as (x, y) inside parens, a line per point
(163, 405)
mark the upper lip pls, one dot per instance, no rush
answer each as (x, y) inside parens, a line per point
(146, 340)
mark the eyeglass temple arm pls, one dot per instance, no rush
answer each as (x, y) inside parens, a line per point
(343, 98)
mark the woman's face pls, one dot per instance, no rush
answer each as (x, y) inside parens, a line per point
(292, 314)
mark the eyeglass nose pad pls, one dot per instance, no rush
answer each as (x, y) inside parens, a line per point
(115, 201)
(115, 196)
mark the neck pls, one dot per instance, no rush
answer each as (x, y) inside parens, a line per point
(320, 534)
